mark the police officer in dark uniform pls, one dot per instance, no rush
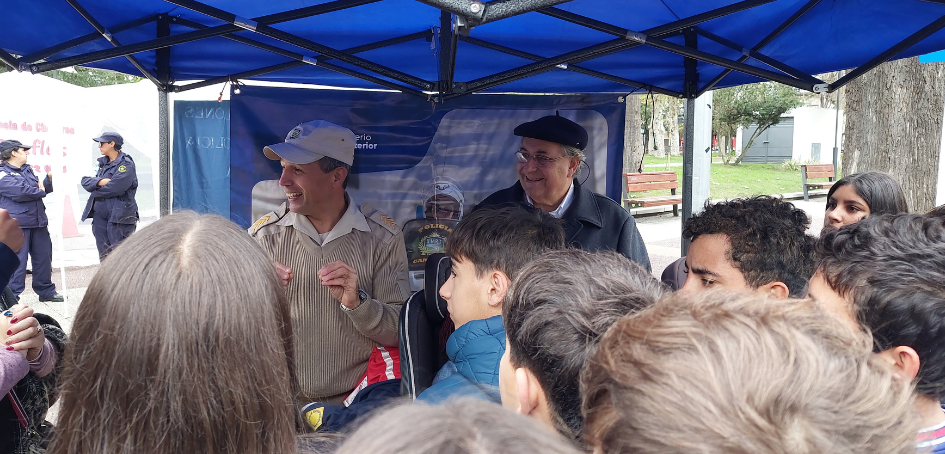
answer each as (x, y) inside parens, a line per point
(21, 193)
(111, 205)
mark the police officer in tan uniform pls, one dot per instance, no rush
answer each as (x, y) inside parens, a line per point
(344, 265)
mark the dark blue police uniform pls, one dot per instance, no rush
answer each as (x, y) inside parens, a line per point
(112, 207)
(21, 196)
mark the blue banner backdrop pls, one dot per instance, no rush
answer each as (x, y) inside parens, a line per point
(406, 143)
(202, 156)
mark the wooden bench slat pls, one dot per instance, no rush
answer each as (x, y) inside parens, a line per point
(655, 201)
(820, 174)
(820, 185)
(640, 187)
(650, 181)
(818, 168)
(645, 178)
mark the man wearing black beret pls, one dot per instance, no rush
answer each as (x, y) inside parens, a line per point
(551, 151)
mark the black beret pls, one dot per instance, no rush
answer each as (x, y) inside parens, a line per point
(554, 129)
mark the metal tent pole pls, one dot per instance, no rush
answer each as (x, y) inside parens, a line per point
(164, 129)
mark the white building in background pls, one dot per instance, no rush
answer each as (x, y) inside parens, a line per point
(804, 134)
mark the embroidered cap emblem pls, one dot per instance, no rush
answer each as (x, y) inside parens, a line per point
(294, 133)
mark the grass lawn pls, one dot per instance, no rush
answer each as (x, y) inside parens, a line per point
(734, 181)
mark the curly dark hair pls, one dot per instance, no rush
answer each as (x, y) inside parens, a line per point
(892, 268)
(768, 239)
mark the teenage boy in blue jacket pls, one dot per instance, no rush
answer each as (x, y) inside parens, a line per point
(487, 250)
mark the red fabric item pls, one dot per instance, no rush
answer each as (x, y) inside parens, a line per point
(383, 365)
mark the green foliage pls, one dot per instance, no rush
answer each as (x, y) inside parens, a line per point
(91, 77)
(86, 77)
(762, 104)
(795, 164)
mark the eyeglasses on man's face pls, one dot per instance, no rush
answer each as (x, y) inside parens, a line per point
(539, 160)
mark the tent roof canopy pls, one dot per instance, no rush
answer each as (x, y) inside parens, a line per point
(439, 49)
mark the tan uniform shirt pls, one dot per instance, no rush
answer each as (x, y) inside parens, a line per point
(332, 346)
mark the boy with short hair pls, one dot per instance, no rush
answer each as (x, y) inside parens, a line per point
(487, 250)
(887, 274)
(565, 300)
(737, 373)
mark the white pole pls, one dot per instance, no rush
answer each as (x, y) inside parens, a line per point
(62, 250)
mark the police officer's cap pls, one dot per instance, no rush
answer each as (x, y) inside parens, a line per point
(554, 128)
(110, 137)
(8, 145)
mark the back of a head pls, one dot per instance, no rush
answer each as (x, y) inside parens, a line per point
(504, 238)
(768, 239)
(567, 300)
(464, 426)
(182, 343)
(892, 269)
(879, 190)
(938, 212)
(732, 373)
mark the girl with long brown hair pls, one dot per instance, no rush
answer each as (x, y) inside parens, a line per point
(182, 344)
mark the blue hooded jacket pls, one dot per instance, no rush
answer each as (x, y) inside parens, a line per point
(475, 350)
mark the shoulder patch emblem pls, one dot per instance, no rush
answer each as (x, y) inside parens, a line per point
(390, 222)
(314, 417)
(259, 223)
(122, 168)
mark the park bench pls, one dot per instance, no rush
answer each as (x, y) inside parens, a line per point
(817, 171)
(649, 181)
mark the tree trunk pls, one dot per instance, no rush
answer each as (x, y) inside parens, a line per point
(632, 138)
(672, 119)
(893, 124)
(658, 128)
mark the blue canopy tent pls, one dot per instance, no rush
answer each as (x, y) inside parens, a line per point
(442, 49)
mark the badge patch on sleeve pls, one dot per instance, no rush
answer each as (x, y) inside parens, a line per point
(390, 222)
(122, 168)
(259, 223)
(313, 416)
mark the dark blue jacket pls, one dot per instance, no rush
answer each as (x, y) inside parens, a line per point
(117, 197)
(9, 262)
(592, 222)
(475, 351)
(21, 196)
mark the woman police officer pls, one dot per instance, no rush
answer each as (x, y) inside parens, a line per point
(21, 193)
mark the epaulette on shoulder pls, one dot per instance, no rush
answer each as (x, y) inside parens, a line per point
(268, 219)
(379, 218)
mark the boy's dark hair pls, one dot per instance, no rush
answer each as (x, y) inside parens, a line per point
(504, 238)
(938, 211)
(892, 268)
(879, 190)
(556, 311)
(768, 239)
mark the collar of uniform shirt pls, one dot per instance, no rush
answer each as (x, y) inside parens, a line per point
(352, 219)
(558, 212)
